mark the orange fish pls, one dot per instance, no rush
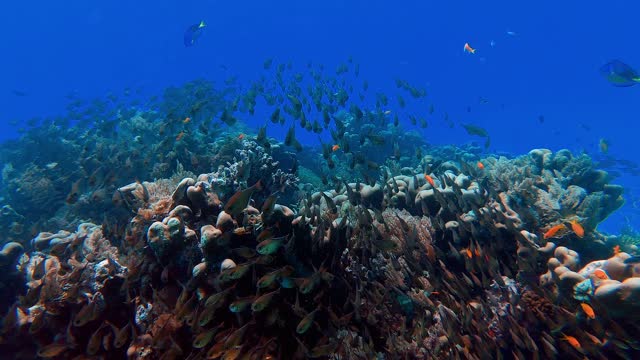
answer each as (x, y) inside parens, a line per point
(577, 228)
(480, 165)
(588, 310)
(600, 274)
(572, 341)
(469, 253)
(430, 180)
(469, 49)
(186, 120)
(180, 136)
(241, 136)
(554, 230)
(335, 148)
(616, 250)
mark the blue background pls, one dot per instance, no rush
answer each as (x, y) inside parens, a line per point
(549, 67)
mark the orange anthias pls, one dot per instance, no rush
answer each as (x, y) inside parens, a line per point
(335, 148)
(588, 310)
(553, 231)
(600, 274)
(430, 180)
(577, 228)
(572, 341)
(480, 165)
(469, 49)
(616, 250)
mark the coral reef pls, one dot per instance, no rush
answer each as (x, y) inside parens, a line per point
(211, 246)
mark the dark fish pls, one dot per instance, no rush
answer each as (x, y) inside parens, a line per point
(192, 33)
(475, 130)
(240, 200)
(619, 73)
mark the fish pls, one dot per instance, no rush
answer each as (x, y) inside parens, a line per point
(553, 231)
(619, 74)
(180, 135)
(241, 304)
(74, 193)
(52, 350)
(616, 250)
(572, 341)
(203, 339)
(603, 145)
(192, 33)
(240, 200)
(269, 246)
(600, 274)
(480, 165)
(430, 180)
(263, 301)
(269, 278)
(335, 148)
(588, 310)
(577, 228)
(475, 130)
(469, 49)
(306, 322)
(241, 136)
(186, 120)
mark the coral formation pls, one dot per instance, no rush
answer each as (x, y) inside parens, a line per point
(377, 246)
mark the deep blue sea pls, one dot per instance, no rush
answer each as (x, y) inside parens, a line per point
(535, 60)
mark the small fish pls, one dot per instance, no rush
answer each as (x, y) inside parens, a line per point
(241, 136)
(577, 228)
(619, 74)
(85, 315)
(430, 180)
(603, 144)
(269, 246)
(616, 250)
(572, 341)
(180, 135)
(186, 120)
(241, 304)
(553, 231)
(203, 339)
(263, 301)
(511, 33)
(52, 350)
(588, 310)
(192, 33)
(600, 274)
(240, 200)
(480, 165)
(306, 322)
(469, 49)
(469, 253)
(475, 130)
(335, 148)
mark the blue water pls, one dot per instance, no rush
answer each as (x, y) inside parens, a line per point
(547, 67)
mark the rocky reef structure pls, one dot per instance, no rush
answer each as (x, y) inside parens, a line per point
(376, 245)
(447, 264)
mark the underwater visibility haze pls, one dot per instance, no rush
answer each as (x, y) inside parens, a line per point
(331, 180)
